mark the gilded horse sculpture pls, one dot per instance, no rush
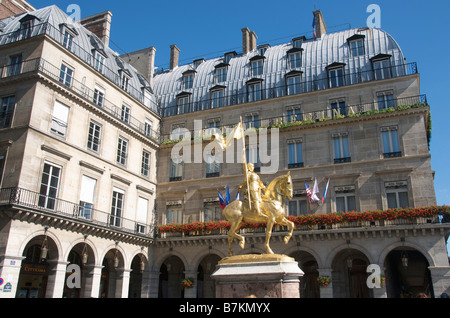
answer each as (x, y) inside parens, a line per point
(271, 208)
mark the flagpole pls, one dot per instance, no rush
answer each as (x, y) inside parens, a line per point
(244, 157)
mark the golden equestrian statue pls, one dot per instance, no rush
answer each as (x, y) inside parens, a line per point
(258, 208)
(267, 208)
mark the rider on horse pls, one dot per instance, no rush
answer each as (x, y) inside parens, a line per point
(255, 186)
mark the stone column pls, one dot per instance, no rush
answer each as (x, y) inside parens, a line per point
(123, 284)
(93, 277)
(440, 276)
(326, 292)
(56, 279)
(153, 284)
(10, 271)
(191, 292)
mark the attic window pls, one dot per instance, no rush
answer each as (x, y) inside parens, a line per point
(381, 66)
(198, 62)
(188, 79)
(26, 24)
(294, 56)
(220, 73)
(336, 76)
(256, 65)
(228, 56)
(262, 49)
(68, 35)
(297, 42)
(356, 44)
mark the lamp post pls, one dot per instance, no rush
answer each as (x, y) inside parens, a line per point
(44, 247)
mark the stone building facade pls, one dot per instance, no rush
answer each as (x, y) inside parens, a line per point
(87, 175)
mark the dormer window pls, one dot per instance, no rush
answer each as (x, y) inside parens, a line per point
(68, 40)
(220, 73)
(381, 66)
(294, 57)
(356, 45)
(25, 29)
(98, 53)
(68, 35)
(124, 82)
(183, 100)
(335, 73)
(26, 25)
(254, 90)
(297, 42)
(257, 65)
(99, 61)
(294, 82)
(217, 95)
(188, 79)
(198, 62)
(228, 56)
(262, 49)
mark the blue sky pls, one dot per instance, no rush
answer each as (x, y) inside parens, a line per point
(209, 28)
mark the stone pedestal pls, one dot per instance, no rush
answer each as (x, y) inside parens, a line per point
(260, 276)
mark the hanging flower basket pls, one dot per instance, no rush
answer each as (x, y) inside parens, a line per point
(323, 281)
(382, 280)
(187, 282)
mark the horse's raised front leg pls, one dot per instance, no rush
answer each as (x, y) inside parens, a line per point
(290, 225)
(269, 226)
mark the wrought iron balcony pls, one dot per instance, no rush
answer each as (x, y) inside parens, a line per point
(24, 199)
(70, 83)
(321, 115)
(321, 83)
(88, 57)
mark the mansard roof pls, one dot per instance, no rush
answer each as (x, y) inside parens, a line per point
(317, 54)
(53, 21)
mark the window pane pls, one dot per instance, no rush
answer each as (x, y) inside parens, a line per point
(337, 148)
(403, 199)
(291, 148)
(392, 200)
(293, 208)
(351, 203)
(345, 151)
(386, 142)
(395, 144)
(340, 204)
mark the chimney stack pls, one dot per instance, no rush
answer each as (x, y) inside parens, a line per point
(144, 61)
(248, 40)
(100, 25)
(245, 40)
(174, 55)
(321, 28)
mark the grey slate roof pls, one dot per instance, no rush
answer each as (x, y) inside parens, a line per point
(317, 54)
(50, 20)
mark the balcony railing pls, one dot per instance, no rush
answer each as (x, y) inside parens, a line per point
(327, 113)
(322, 82)
(55, 73)
(82, 53)
(82, 212)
